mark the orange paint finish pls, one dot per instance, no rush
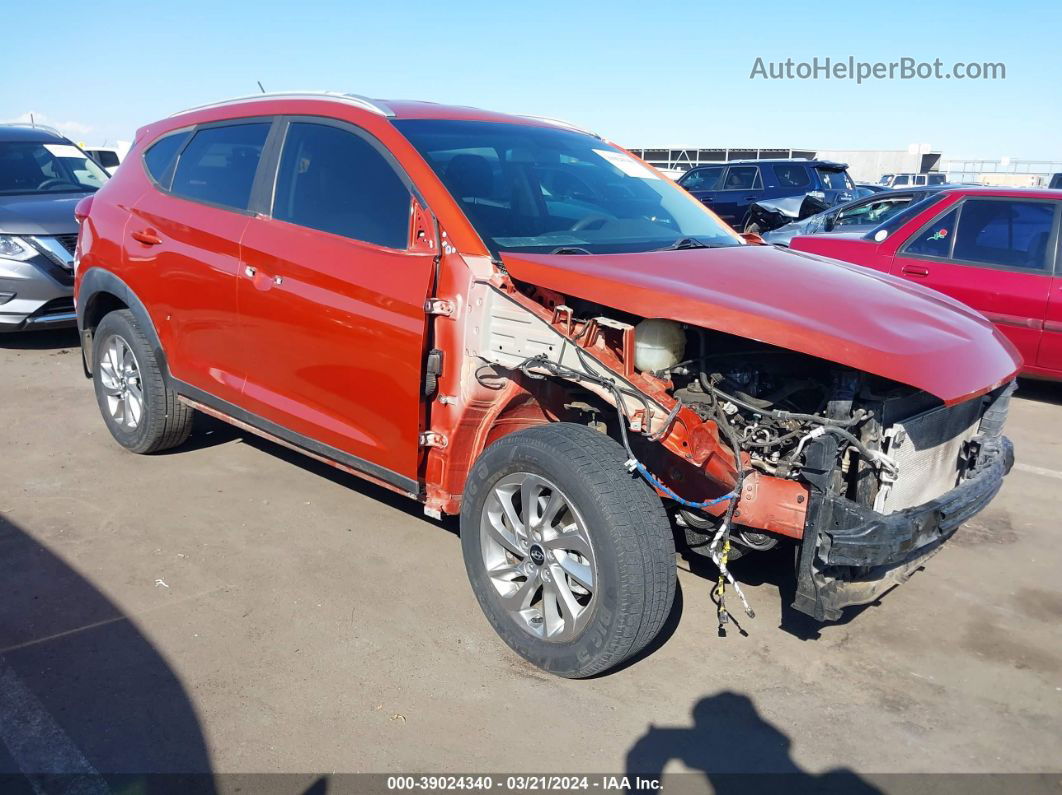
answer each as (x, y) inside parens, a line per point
(772, 504)
(326, 338)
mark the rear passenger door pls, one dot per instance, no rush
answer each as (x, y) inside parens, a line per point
(184, 235)
(742, 185)
(995, 255)
(331, 299)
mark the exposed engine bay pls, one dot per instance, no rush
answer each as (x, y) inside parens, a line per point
(864, 456)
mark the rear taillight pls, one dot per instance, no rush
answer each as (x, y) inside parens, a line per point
(81, 210)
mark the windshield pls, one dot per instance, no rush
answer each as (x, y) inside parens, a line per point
(33, 167)
(548, 190)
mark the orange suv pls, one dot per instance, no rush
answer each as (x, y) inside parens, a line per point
(513, 319)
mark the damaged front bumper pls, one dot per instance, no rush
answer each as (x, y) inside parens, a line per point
(851, 554)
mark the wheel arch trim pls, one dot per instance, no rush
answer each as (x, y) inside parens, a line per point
(96, 283)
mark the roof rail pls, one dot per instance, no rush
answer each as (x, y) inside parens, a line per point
(374, 105)
(33, 126)
(561, 123)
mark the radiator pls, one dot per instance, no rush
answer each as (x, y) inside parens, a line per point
(929, 451)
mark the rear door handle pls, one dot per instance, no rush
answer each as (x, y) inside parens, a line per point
(914, 270)
(149, 237)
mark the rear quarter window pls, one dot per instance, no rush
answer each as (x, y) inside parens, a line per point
(160, 155)
(935, 240)
(792, 176)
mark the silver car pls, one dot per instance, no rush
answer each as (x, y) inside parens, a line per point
(42, 176)
(860, 215)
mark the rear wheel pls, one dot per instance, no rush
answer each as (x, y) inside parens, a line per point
(140, 409)
(571, 558)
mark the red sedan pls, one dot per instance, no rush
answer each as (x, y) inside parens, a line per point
(994, 249)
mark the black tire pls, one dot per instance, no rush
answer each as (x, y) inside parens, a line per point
(628, 529)
(165, 422)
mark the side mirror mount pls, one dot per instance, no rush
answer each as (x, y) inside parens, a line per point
(829, 222)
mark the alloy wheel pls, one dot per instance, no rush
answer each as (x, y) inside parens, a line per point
(538, 556)
(122, 385)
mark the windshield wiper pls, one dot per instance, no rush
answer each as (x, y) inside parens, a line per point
(685, 242)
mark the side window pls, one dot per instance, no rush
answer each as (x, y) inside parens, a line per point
(336, 181)
(219, 164)
(934, 240)
(742, 178)
(792, 176)
(1010, 233)
(902, 179)
(159, 156)
(872, 212)
(703, 179)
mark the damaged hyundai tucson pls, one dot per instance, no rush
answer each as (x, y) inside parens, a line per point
(514, 320)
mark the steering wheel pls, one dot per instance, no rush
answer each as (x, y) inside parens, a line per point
(53, 181)
(586, 220)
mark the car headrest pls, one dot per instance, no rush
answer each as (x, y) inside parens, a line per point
(470, 175)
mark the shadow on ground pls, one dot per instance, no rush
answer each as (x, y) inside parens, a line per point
(775, 567)
(1040, 391)
(83, 694)
(40, 340)
(736, 750)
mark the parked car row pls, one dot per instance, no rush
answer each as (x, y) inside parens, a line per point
(42, 177)
(730, 189)
(512, 320)
(994, 249)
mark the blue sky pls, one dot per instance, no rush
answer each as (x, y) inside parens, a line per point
(640, 73)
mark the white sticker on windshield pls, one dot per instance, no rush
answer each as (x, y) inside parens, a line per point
(65, 150)
(628, 165)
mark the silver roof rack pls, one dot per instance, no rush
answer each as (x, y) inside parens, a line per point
(560, 123)
(365, 103)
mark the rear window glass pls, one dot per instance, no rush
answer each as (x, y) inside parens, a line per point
(834, 180)
(159, 156)
(219, 164)
(792, 176)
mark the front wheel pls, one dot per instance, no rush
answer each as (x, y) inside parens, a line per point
(571, 558)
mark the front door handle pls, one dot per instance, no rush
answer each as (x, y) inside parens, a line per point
(264, 283)
(149, 237)
(914, 270)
